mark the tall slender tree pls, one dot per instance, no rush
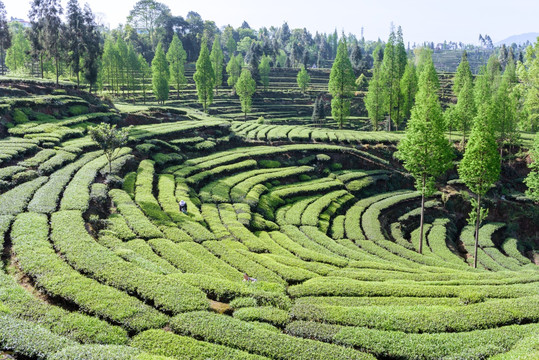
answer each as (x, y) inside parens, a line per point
(465, 110)
(5, 37)
(264, 70)
(463, 74)
(110, 64)
(375, 98)
(391, 71)
(17, 55)
(133, 69)
(532, 180)
(217, 59)
(145, 73)
(122, 69)
(160, 75)
(504, 115)
(204, 77)
(75, 37)
(409, 89)
(176, 57)
(233, 70)
(341, 84)
(303, 79)
(528, 74)
(47, 28)
(245, 88)
(424, 150)
(480, 167)
(93, 48)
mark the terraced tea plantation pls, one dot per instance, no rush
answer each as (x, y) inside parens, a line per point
(107, 267)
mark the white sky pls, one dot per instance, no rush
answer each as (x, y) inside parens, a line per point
(421, 20)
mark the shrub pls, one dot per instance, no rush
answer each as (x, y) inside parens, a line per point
(80, 249)
(19, 116)
(99, 352)
(183, 347)
(24, 176)
(268, 164)
(38, 260)
(29, 339)
(245, 336)
(267, 314)
(77, 110)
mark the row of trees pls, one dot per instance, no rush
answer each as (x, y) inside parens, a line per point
(427, 153)
(393, 85)
(489, 107)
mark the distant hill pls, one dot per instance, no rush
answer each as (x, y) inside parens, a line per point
(519, 39)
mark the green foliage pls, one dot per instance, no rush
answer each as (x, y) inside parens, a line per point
(267, 314)
(532, 180)
(425, 151)
(160, 75)
(245, 88)
(233, 70)
(480, 166)
(217, 59)
(409, 88)
(176, 57)
(19, 116)
(182, 347)
(38, 259)
(29, 339)
(109, 139)
(303, 79)
(242, 335)
(472, 345)
(17, 56)
(375, 100)
(463, 74)
(341, 84)
(204, 77)
(264, 71)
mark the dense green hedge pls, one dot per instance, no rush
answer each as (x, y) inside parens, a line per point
(46, 199)
(476, 345)
(245, 336)
(82, 252)
(74, 325)
(38, 259)
(428, 319)
(264, 293)
(100, 352)
(60, 159)
(267, 314)
(227, 251)
(183, 347)
(335, 286)
(29, 339)
(14, 201)
(133, 215)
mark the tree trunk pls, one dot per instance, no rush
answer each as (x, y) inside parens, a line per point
(41, 61)
(420, 250)
(57, 70)
(478, 214)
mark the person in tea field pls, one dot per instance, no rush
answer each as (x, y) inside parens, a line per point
(183, 206)
(248, 278)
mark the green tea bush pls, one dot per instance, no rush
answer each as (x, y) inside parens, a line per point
(29, 339)
(267, 314)
(83, 253)
(38, 260)
(248, 337)
(183, 347)
(19, 116)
